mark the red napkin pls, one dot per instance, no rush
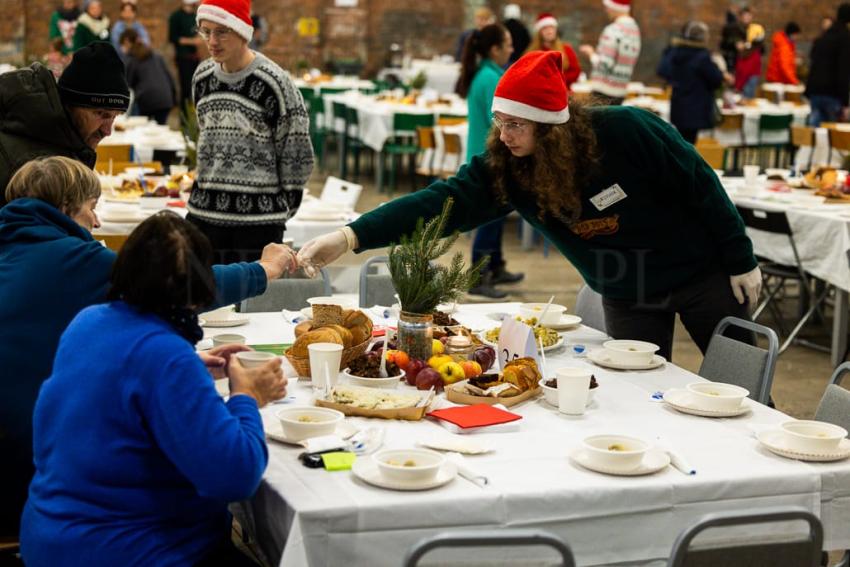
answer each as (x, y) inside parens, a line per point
(479, 415)
(178, 204)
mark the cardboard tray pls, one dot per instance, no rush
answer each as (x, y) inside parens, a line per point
(407, 414)
(454, 393)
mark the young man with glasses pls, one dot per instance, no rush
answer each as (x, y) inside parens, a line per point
(616, 190)
(254, 151)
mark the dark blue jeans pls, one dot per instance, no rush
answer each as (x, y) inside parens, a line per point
(488, 242)
(824, 109)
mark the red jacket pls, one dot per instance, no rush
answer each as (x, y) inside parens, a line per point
(572, 72)
(782, 65)
(748, 65)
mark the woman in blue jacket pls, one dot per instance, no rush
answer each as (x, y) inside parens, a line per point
(485, 55)
(137, 456)
(50, 269)
(688, 67)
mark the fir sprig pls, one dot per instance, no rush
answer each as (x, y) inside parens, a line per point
(422, 285)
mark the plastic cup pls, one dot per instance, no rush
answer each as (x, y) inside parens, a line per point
(751, 175)
(253, 358)
(573, 387)
(325, 359)
(228, 339)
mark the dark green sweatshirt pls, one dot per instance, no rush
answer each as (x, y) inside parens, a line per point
(675, 225)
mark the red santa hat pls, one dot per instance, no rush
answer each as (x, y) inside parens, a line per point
(234, 14)
(618, 5)
(533, 88)
(543, 20)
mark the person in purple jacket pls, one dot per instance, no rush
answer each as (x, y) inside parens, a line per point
(137, 455)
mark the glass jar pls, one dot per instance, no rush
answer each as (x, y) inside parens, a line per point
(415, 335)
(460, 348)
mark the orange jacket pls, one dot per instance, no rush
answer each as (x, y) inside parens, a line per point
(782, 65)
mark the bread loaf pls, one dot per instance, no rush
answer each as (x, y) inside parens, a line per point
(324, 335)
(345, 334)
(327, 315)
(302, 328)
(357, 318)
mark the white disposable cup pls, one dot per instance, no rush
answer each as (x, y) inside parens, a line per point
(253, 358)
(751, 175)
(573, 387)
(179, 169)
(325, 359)
(228, 339)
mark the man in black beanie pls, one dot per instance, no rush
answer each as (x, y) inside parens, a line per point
(40, 118)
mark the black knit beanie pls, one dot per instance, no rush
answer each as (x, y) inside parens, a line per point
(95, 79)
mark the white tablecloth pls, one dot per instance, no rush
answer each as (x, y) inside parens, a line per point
(440, 75)
(339, 82)
(375, 117)
(147, 138)
(313, 517)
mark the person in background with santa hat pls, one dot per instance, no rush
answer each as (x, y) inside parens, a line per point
(254, 150)
(616, 53)
(617, 190)
(546, 39)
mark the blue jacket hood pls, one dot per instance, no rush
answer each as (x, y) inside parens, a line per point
(33, 220)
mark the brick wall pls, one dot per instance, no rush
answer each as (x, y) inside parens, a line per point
(423, 27)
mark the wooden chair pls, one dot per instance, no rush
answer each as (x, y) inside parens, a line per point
(403, 142)
(839, 140)
(452, 147)
(733, 122)
(113, 241)
(713, 154)
(446, 120)
(117, 152)
(804, 137)
(829, 125)
(428, 145)
(794, 97)
(119, 167)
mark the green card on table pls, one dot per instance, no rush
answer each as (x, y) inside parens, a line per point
(272, 348)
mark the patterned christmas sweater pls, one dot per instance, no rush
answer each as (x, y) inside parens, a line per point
(615, 57)
(254, 150)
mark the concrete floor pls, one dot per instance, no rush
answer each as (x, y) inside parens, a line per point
(801, 373)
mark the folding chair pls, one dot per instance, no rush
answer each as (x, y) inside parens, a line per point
(589, 308)
(375, 289)
(451, 155)
(804, 137)
(773, 123)
(115, 152)
(288, 293)
(754, 552)
(498, 538)
(736, 362)
(338, 190)
(403, 142)
(834, 406)
(733, 122)
(839, 140)
(428, 146)
(776, 222)
(714, 155)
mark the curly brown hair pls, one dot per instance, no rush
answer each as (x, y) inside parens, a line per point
(565, 158)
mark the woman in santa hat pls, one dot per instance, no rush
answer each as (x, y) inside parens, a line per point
(617, 190)
(546, 39)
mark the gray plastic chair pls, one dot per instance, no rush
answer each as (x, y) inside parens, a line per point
(289, 292)
(834, 406)
(754, 552)
(496, 538)
(734, 362)
(376, 289)
(589, 308)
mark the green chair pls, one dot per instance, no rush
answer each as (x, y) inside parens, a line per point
(353, 144)
(774, 123)
(313, 105)
(402, 142)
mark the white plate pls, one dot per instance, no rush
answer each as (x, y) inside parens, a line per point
(683, 401)
(274, 430)
(653, 461)
(121, 216)
(774, 441)
(366, 470)
(127, 201)
(600, 357)
(558, 344)
(231, 322)
(307, 312)
(566, 322)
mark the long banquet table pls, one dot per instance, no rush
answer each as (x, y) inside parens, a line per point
(313, 517)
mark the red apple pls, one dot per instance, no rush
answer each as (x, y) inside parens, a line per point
(412, 370)
(428, 377)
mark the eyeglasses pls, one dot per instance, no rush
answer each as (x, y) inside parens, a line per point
(510, 126)
(220, 34)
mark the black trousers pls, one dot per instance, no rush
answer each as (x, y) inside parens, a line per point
(700, 304)
(233, 244)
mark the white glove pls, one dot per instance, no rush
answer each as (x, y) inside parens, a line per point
(324, 249)
(747, 286)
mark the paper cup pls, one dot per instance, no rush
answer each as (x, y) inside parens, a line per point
(253, 358)
(325, 359)
(751, 175)
(228, 339)
(573, 386)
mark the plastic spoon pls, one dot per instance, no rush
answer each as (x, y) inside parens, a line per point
(542, 356)
(545, 310)
(384, 356)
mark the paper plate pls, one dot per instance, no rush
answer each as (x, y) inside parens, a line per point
(681, 400)
(566, 322)
(653, 461)
(231, 322)
(600, 357)
(558, 344)
(774, 441)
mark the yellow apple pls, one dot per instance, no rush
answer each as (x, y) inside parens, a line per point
(438, 360)
(451, 372)
(437, 347)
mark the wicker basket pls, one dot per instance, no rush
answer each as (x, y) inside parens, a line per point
(302, 365)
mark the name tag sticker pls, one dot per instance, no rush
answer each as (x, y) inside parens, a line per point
(606, 198)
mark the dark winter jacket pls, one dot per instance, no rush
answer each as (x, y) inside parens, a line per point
(520, 37)
(829, 73)
(33, 123)
(688, 67)
(151, 82)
